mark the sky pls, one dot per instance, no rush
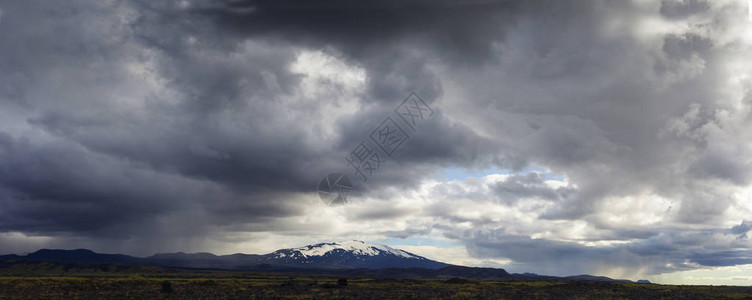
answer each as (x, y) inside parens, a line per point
(560, 137)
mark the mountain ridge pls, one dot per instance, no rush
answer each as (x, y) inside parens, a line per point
(338, 255)
(349, 258)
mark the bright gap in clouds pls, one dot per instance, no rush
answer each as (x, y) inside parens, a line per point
(443, 249)
(736, 275)
(459, 173)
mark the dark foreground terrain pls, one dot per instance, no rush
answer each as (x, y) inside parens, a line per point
(25, 279)
(274, 286)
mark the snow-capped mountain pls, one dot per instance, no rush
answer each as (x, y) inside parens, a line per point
(356, 247)
(350, 258)
(369, 262)
(351, 254)
(340, 255)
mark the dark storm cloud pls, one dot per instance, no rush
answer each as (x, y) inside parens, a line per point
(531, 185)
(742, 229)
(213, 136)
(79, 156)
(722, 258)
(100, 194)
(463, 29)
(388, 40)
(385, 38)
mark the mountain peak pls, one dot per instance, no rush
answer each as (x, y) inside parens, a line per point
(351, 254)
(355, 247)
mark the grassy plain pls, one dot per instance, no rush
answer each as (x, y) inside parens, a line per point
(231, 285)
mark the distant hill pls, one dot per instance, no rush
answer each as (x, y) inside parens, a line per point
(78, 255)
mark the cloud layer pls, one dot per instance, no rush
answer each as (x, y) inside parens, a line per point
(617, 130)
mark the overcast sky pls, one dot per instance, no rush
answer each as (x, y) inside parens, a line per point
(567, 137)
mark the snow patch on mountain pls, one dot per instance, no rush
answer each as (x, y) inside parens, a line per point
(355, 247)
